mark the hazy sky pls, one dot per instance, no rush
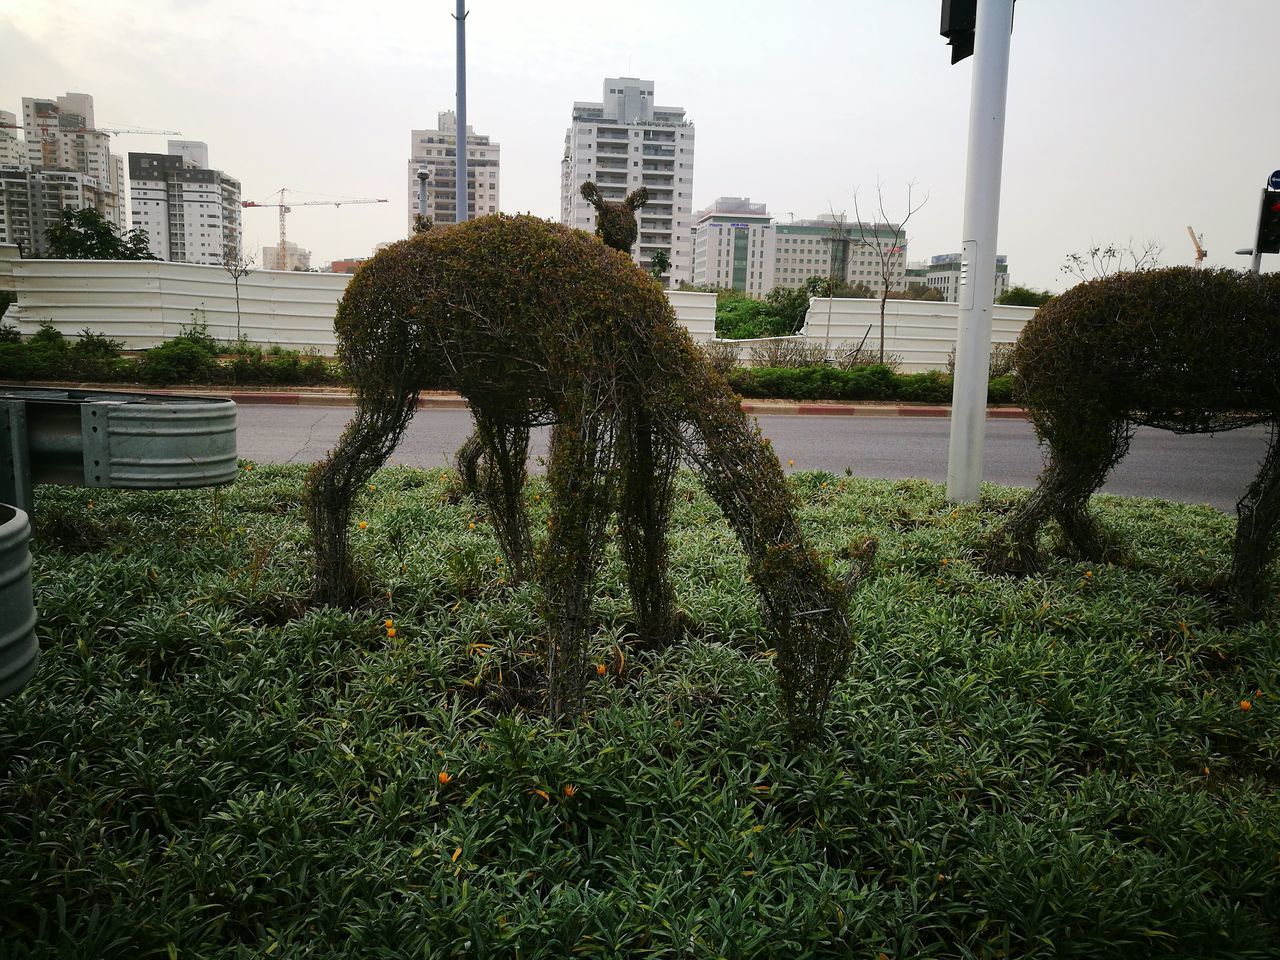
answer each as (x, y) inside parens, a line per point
(1127, 118)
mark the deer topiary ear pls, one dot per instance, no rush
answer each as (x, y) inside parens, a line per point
(637, 199)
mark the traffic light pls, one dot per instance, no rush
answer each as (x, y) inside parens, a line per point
(1269, 223)
(958, 20)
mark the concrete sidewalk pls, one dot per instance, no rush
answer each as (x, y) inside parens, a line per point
(443, 400)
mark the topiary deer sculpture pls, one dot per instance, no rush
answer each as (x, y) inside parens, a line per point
(1192, 351)
(539, 324)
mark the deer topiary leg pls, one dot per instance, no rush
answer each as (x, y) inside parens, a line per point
(333, 483)
(1081, 454)
(649, 461)
(500, 480)
(579, 474)
(1257, 528)
(803, 605)
(467, 461)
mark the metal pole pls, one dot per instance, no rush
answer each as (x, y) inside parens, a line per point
(981, 219)
(460, 186)
(423, 173)
(1255, 265)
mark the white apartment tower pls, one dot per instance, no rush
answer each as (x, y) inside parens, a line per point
(60, 135)
(626, 142)
(191, 214)
(436, 151)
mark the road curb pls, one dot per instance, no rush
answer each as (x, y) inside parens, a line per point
(452, 401)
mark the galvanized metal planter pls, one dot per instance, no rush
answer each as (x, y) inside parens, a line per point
(101, 438)
(18, 646)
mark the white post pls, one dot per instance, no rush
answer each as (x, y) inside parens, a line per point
(978, 268)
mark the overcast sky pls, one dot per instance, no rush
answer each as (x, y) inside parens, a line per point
(1127, 118)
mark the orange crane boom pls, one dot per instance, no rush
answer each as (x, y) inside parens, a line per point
(285, 207)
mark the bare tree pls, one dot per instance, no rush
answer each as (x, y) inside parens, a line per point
(1101, 261)
(239, 265)
(885, 240)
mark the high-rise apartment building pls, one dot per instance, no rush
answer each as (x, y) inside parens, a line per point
(13, 152)
(946, 273)
(625, 142)
(60, 135)
(191, 214)
(436, 151)
(31, 202)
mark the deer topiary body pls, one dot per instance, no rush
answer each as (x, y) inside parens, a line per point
(538, 324)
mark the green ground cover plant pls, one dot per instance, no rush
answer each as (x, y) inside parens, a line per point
(206, 766)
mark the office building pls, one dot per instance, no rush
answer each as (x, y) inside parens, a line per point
(191, 214)
(945, 274)
(625, 142)
(436, 151)
(733, 240)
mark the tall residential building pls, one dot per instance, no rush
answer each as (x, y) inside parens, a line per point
(191, 213)
(625, 142)
(945, 274)
(13, 152)
(60, 135)
(31, 200)
(436, 150)
(733, 241)
(295, 258)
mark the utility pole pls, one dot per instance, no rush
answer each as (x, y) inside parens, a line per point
(991, 26)
(460, 187)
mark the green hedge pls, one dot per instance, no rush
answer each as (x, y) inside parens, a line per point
(193, 357)
(873, 382)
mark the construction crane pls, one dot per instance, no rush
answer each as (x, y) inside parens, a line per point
(285, 207)
(118, 130)
(1201, 253)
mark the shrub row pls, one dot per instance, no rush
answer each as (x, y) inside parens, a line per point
(875, 382)
(193, 357)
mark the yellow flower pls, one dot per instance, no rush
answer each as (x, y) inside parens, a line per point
(471, 526)
(363, 525)
(570, 790)
(1088, 574)
(388, 623)
(1246, 705)
(444, 777)
(391, 631)
(791, 463)
(600, 669)
(248, 466)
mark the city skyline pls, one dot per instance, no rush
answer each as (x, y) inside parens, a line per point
(1123, 123)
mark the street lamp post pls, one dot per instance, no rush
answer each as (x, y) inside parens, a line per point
(423, 173)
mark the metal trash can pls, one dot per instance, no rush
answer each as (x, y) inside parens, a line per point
(19, 648)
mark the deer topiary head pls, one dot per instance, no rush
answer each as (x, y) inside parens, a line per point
(616, 222)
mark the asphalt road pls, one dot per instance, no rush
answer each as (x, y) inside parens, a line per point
(1214, 470)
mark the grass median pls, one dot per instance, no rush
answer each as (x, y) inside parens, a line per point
(206, 766)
